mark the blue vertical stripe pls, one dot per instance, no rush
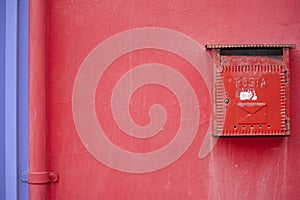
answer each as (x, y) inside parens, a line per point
(11, 100)
(22, 97)
(2, 95)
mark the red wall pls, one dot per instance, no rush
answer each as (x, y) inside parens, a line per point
(236, 168)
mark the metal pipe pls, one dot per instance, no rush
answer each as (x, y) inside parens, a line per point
(37, 97)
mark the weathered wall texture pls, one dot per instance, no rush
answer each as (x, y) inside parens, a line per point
(99, 96)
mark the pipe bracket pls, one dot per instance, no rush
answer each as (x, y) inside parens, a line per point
(39, 178)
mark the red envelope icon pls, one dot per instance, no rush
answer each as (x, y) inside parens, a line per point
(252, 113)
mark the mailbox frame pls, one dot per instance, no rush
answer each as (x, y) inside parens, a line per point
(239, 72)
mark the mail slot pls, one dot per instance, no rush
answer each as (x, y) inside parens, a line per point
(251, 92)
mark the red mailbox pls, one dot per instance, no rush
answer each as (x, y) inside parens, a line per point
(251, 89)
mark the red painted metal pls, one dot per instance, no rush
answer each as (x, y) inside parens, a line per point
(236, 168)
(37, 98)
(250, 91)
(42, 177)
(230, 46)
